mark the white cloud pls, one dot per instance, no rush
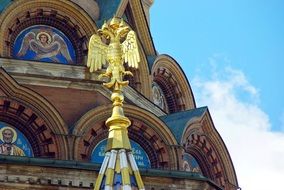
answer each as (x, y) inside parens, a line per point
(256, 151)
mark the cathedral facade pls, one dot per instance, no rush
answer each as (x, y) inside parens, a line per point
(53, 110)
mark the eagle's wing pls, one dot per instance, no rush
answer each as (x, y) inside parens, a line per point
(28, 38)
(96, 54)
(61, 47)
(130, 50)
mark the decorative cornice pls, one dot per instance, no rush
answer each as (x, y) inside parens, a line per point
(68, 76)
(56, 174)
(142, 102)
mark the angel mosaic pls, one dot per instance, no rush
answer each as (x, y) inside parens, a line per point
(44, 44)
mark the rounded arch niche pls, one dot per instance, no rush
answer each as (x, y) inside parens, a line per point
(33, 116)
(33, 127)
(146, 130)
(170, 78)
(64, 16)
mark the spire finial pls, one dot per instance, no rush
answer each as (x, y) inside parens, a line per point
(119, 166)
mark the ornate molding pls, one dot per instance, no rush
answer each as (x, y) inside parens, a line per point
(32, 113)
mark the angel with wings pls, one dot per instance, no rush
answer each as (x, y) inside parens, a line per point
(45, 46)
(114, 44)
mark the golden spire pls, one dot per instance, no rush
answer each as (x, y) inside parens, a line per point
(119, 168)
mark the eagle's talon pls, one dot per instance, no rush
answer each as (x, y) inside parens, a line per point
(127, 73)
(103, 75)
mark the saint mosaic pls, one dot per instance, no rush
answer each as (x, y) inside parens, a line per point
(13, 142)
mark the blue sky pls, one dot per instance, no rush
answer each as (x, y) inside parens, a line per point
(233, 55)
(246, 34)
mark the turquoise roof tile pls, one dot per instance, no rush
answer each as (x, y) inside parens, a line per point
(4, 4)
(107, 10)
(177, 121)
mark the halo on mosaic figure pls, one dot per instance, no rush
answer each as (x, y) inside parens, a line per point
(46, 34)
(10, 128)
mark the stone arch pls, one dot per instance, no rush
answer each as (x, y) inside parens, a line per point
(169, 76)
(34, 116)
(148, 131)
(140, 80)
(63, 15)
(204, 152)
(201, 140)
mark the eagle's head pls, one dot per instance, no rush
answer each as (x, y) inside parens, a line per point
(114, 23)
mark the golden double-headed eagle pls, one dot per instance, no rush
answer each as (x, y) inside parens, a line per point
(115, 44)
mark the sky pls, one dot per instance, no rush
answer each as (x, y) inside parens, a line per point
(232, 53)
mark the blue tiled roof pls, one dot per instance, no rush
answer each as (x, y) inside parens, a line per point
(4, 4)
(177, 121)
(107, 10)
